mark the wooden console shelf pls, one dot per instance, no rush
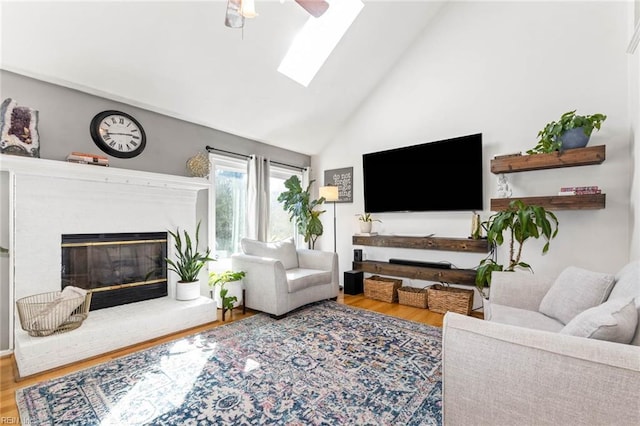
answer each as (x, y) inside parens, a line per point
(457, 276)
(557, 202)
(424, 243)
(569, 158)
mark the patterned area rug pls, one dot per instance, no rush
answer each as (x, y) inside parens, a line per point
(325, 364)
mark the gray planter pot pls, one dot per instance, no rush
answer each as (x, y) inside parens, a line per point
(574, 138)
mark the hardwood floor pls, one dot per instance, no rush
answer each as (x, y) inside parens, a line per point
(8, 383)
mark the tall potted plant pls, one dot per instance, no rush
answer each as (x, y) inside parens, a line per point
(189, 261)
(522, 222)
(302, 209)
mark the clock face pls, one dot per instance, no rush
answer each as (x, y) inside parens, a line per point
(118, 134)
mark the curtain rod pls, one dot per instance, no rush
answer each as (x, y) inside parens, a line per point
(210, 148)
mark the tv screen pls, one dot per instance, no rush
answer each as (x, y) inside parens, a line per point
(444, 175)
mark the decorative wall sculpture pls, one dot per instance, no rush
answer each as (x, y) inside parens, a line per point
(19, 130)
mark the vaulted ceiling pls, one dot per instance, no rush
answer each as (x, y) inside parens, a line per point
(178, 58)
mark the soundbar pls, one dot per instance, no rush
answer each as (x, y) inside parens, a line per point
(438, 265)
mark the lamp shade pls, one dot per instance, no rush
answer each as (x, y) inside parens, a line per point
(329, 192)
(249, 9)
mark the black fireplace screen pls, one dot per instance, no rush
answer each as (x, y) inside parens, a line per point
(117, 268)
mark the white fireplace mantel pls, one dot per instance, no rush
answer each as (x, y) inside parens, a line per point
(87, 172)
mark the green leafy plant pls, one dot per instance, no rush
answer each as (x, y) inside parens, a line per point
(302, 209)
(522, 222)
(189, 260)
(550, 137)
(366, 217)
(222, 278)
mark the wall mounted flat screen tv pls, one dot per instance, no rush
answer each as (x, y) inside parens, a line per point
(444, 175)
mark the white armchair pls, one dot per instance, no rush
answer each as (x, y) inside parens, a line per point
(280, 278)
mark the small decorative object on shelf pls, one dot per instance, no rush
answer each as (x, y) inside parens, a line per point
(579, 190)
(19, 130)
(504, 190)
(515, 154)
(84, 158)
(199, 165)
(366, 223)
(475, 226)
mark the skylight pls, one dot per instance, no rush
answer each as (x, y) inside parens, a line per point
(317, 39)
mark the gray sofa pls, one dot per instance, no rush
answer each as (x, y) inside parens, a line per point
(544, 356)
(280, 278)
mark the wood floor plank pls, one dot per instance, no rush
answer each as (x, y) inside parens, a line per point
(8, 377)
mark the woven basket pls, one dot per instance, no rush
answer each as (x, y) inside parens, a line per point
(382, 288)
(413, 296)
(444, 298)
(67, 315)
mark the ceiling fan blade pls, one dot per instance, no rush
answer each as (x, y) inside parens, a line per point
(234, 18)
(315, 7)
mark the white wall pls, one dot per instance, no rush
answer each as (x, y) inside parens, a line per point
(634, 83)
(504, 69)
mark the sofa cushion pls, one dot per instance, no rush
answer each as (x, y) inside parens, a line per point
(300, 278)
(284, 251)
(523, 318)
(614, 321)
(628, 285)
(575, 290)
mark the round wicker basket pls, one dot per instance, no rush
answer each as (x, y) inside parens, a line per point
(45, 313)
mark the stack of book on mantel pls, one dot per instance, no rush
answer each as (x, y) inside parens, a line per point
(579, 190)
(83, 158)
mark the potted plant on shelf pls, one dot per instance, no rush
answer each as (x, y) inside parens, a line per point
(366, 222)
(572, 131)
(522, 222)
(302, 209)
(188, 264)
(224, 299)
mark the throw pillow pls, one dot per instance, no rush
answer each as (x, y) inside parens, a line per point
(575, 290)
(615, 321)
(284, 251)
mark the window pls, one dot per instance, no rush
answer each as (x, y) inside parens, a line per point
(229, 190)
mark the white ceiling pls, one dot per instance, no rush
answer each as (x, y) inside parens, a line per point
(178, 58)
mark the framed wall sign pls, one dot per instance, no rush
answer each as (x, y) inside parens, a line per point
(343, 179)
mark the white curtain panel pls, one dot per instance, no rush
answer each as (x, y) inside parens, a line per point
(258, 198)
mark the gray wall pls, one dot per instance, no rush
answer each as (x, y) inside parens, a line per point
(65, 114)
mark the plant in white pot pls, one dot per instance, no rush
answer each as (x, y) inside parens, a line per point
(227, 298)
(366, 222)
(188, 264)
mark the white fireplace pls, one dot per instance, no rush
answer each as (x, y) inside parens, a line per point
(55, 198)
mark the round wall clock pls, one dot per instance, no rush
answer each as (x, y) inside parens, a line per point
(118, 134)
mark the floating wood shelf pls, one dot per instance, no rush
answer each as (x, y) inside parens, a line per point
(424, 243)
(559, 202)
(458, 276)
(569, 158)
